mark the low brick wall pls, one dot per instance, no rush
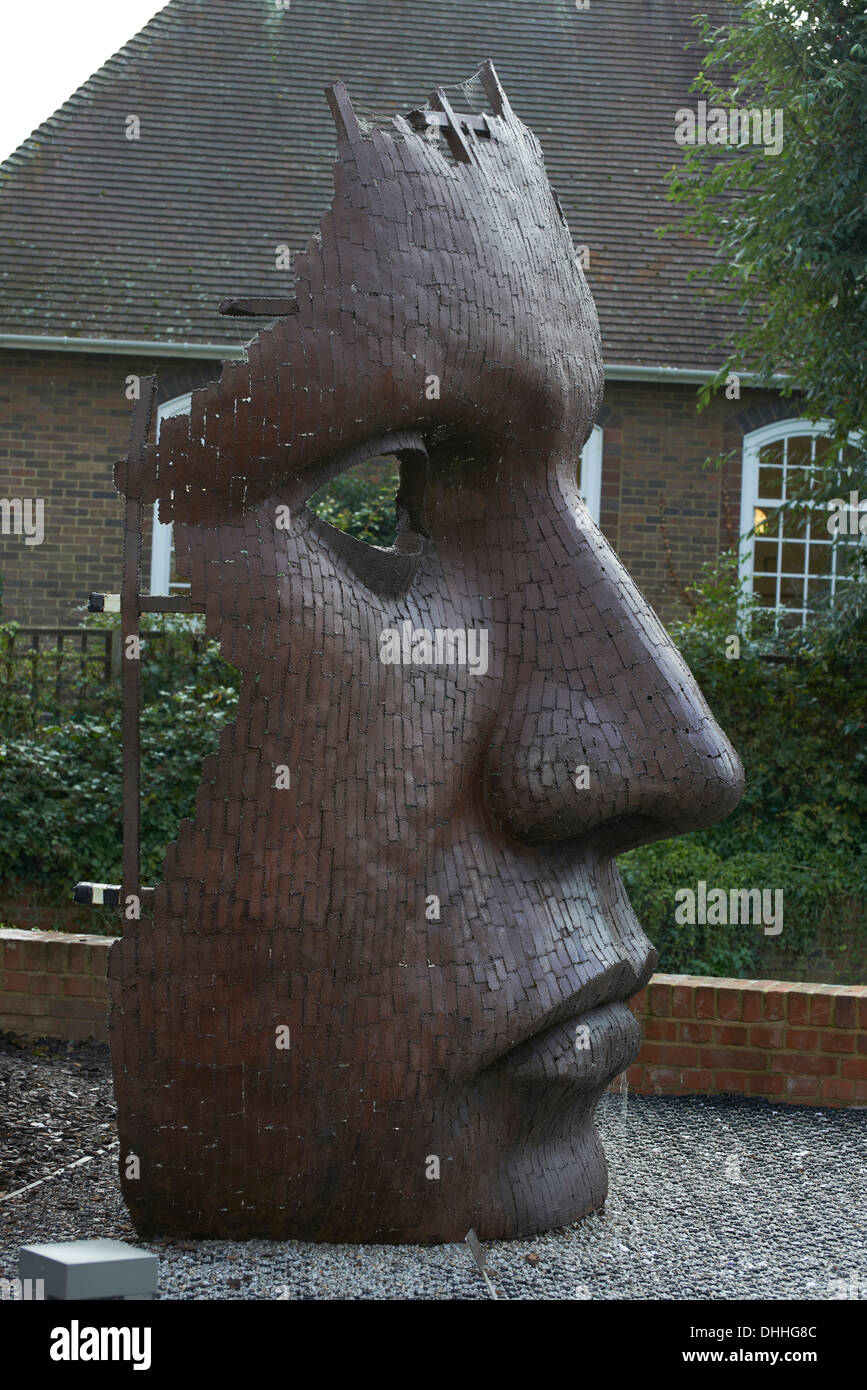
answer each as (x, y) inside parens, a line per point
(33, 906)
(53, 984)
(801, 1043)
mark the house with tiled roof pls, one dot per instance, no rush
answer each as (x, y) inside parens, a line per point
(198, 159)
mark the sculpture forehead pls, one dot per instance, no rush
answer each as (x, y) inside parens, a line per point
(448, 256)
(406, 214)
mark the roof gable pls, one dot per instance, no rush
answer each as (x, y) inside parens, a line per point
(102, 236)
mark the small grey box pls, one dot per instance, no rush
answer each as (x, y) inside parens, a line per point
(75, 1269)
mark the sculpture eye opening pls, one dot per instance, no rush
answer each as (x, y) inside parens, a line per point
(378, 500)
(360, 501)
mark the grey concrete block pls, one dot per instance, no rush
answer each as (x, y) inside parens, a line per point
(90, 1269)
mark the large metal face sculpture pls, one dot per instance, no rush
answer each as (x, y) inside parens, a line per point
(386, 979)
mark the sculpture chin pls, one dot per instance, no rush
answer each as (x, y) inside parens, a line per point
(516, 1149)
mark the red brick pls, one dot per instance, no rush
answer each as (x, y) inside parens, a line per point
(15, 981)
(854, 1067)
(660, 1029)
(752, 1006)
(77, 985)
(774, 1004)
(697, 1081)
(729, 1057)
(821, 1009)
(729, 1003)
(803, 1063)
(30, 954)
(845, 1011)
(668, 1054)
(802, 1086)
(836, 1088)
(731, 1034)
(802, 1040)
(681, 1001)
(862, 1014)
(664, 1079)
(798, 1007)
(696, 1032)
(725, 1081)
(859, 1091)
(768, 1037)
(660, 1000)
(82, 1008)
(765, 1084)
(838, 1042)
(639, 1004)
(56, 957)
(705, 1004)
(19, 1004)
(78, 959)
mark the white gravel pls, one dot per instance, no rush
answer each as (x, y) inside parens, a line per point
(710, 1198)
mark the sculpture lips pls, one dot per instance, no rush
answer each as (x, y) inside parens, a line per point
(589, 1048)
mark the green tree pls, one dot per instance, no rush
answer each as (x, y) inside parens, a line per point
(789, 230)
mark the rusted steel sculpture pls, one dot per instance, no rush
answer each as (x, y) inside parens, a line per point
(386, 978)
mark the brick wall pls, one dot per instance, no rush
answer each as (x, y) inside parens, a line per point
(662, 511)
(803, 1044)
(53, 984)
(33, 906)
(66, 421)
(800, 1043)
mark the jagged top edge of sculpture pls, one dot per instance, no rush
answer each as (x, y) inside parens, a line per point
(500, 123)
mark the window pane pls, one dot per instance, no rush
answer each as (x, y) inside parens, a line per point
(820, 557)
(792, 592)
(789, 619)
(799, 453)
(849, 556)
(819, 591)
(772, 454)
(766, 554)
(765, 590)
(796, 523)
(770, 484)
(794, 557)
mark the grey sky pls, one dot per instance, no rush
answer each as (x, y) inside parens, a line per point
(50, 47)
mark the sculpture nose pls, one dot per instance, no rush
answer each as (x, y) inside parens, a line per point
(605, 737)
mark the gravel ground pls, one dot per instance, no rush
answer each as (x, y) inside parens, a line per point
(710, 1198)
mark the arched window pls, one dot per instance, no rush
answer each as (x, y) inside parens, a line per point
(161, 539)
(791, 564)
(590, 473)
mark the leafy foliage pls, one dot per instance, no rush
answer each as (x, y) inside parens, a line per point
(789, 231)
(361, 504)
(60, 771)
(798, 721)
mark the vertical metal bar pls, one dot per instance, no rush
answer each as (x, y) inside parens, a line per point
(130, 662)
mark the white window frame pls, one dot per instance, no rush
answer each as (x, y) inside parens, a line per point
(591, 473)
(754, 442)
(161, 539)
